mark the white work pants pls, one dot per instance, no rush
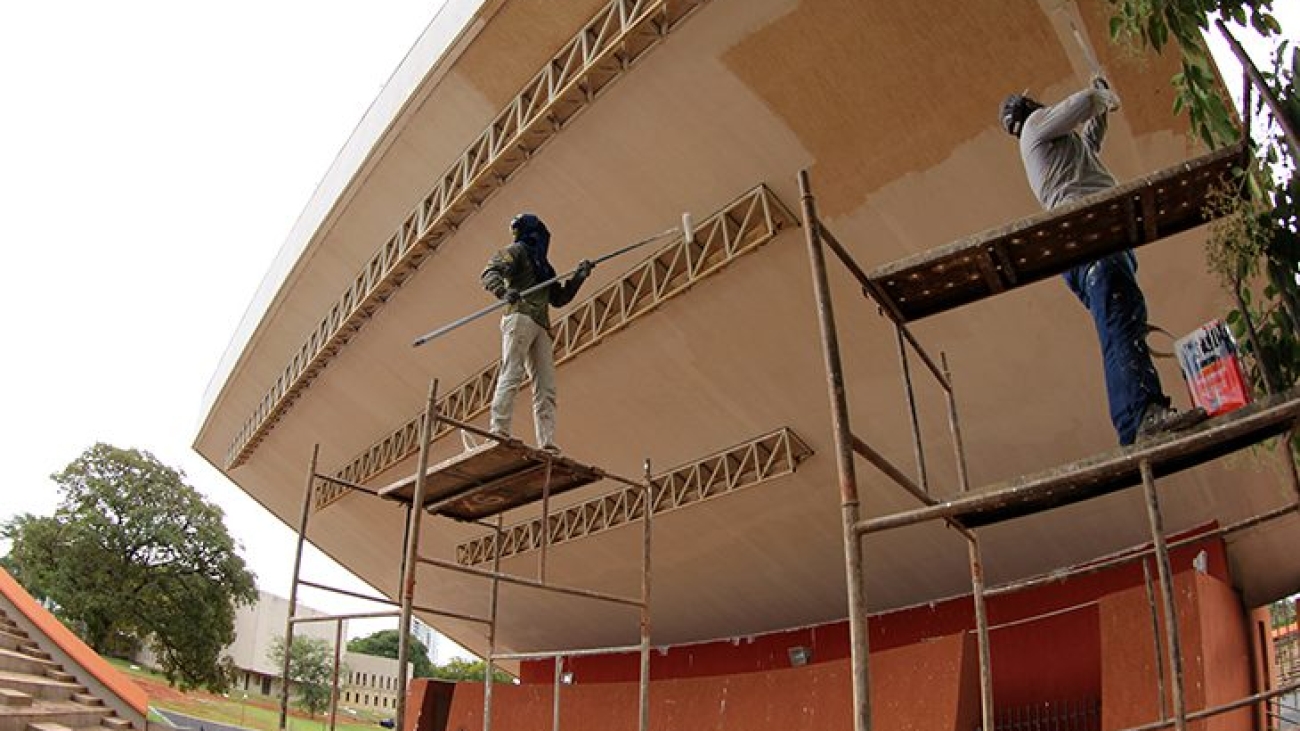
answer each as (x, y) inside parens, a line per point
(525, 346)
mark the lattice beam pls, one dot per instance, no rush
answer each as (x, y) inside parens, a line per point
(741, 227)
(603, 51)
(750, 463)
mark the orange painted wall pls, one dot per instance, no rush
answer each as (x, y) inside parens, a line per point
(1087, 638)
(1023, 672)
(1215, 648)
(808, 698)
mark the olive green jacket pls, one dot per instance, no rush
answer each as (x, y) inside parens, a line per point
(511, 268)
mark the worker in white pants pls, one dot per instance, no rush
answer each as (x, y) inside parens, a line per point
(526, 345)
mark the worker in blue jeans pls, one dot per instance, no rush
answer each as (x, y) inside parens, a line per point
(1060, 147)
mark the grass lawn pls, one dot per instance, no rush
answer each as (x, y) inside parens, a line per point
(255, 711)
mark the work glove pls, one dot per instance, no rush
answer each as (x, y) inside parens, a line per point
(1107, 98)
(512, 296)
(585, 268)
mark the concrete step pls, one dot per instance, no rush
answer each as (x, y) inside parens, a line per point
(115, 724)
(56, 673)
(39, 686)
(14, 698)
(87, 699)
(64, 713)
(20, 662)
(48, 726)
(14, 641)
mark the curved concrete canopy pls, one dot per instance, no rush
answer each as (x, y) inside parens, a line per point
(891, 107)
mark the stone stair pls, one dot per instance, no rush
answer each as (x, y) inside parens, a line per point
(37, 695)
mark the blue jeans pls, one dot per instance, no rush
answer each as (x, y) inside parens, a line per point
(1108, 288)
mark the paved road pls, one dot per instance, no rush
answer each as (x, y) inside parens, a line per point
(182, 721)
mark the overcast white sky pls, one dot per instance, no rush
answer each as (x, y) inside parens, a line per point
(153, 156)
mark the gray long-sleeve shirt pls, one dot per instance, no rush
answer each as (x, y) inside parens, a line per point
(1061, 160)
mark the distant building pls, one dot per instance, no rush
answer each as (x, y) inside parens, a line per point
(426, 634)
(256, 627)
(370, 683)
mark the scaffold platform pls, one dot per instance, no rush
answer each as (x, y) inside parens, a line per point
(492, 478)
(1034, 248)
(1112, 471)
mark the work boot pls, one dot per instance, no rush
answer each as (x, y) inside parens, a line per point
(1160, 419)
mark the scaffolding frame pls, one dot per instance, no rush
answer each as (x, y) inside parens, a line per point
(1278, 414)
(417, 506)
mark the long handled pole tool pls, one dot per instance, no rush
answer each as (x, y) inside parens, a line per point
(433, 335)
(1089, 57)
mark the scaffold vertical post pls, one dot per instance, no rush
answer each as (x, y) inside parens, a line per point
(334, 682)
(545, 523)
(973, 556)
(493, 595)
(1165, 574)
(918, 449)
(1261, 86)
(555, 694)
(293, 586)
(428, 425)
(1155, 638)
(954, 426)
(981, 628)
(647, 511)
(857, 603)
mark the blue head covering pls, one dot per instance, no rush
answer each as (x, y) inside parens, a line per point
(529, 230)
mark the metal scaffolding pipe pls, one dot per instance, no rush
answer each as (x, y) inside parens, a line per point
(848, 483)
(1269, 415)
(587, 652)
(918, 448)
(1165, 574)
(346, 592)
(869, 289)
(414, 518)
(346, 483)
(647, 512)
(1223, 708)
(520, 581)
(1129, 556)
(882, 463)
(493, 598)
(293, 587)
(381, 600)
(555, 695)
(545, 524)
(1284, 120)
(334, 677)
(1161, 700)
(356, 615)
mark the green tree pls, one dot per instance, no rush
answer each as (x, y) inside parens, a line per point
(1153, 23)
(459, 670)
(1254, 248)
(384, 644)
(311, 670)
(132, 554)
